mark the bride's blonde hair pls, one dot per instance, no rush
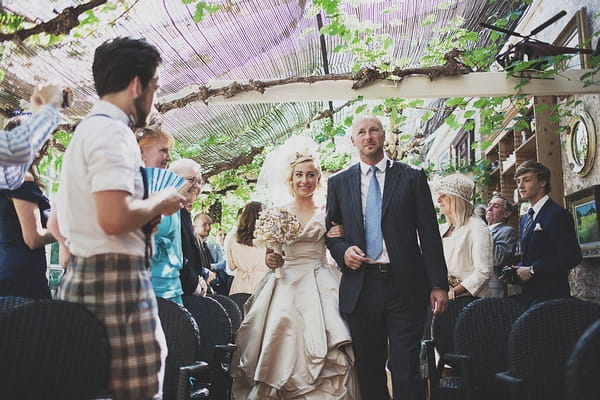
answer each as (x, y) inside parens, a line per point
(302, 158)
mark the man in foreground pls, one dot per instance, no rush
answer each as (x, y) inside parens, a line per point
(101, 211)
(392, 262)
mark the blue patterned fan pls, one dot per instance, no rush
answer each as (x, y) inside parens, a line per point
(159, 179)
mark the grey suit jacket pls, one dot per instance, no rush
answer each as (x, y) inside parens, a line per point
(410, 232)
(505, 242)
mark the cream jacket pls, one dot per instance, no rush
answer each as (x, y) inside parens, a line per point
(469, 255)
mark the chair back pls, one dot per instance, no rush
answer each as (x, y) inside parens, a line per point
(542, 339)
(183, 342)
(442, 326)
(582, 380)
(481, 333)
(7, 303)
(233, 310)
(213, 322)
(240, 299)
(51, 349)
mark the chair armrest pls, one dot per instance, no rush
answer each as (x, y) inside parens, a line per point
(464, 364)
(458, 361)
(514, 385)
(221, 364)
(199, 370)
(432, 372)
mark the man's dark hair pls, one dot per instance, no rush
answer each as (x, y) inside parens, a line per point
(118, 61)
(540, 170)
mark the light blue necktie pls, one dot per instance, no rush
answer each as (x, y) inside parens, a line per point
(374, 236)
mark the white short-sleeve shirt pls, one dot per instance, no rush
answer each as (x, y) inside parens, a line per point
(103, 155)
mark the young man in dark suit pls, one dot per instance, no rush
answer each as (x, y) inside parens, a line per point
(392, 261)
(548, 239)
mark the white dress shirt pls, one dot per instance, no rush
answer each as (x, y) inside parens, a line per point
(103, 155)
(365, 179)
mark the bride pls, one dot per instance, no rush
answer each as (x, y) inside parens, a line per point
(293, 343)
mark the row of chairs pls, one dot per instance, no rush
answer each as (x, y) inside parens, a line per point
(59, 349)
(499, 349)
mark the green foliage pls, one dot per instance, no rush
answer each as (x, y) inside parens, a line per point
(449, 37)
(202, 8)
(10, 22)
(51, 165)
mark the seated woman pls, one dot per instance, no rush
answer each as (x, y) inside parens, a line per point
(467, 240)
(242, 256)
(23, 236)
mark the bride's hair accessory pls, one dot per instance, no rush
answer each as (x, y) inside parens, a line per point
(276, 172)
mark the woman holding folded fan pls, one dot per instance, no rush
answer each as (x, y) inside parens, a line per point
(467, 240)
(167, 259)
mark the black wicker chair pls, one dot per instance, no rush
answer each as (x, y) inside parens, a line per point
(183, 343)
(582, 379)
(216, 341)
(442, 334)
(539, 344)
(480, 343)
(51, 349)
(442, 326)
(240, 299)
(233, 310)
(7, 303)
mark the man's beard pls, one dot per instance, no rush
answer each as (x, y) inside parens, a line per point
(140, 112)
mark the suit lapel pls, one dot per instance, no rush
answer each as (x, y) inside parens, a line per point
(354, 189)
(392, 175)
(538, 217)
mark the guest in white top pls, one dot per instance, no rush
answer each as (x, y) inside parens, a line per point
(467, 240)
(242, 256)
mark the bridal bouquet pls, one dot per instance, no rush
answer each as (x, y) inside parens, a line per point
(274, 227)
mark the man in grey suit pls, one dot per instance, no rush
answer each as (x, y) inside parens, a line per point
(392, 262)
(498, 212)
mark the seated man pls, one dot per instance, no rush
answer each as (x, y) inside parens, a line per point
(213, 251)
(504, 236)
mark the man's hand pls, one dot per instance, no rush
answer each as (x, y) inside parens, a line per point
(273, 260)
(524, 273)
(354, 257)
(439, 301)
(48, 94)
(202, 287)
(170, 201)
(211, 277)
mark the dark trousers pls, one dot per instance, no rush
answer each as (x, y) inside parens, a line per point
(382, 317)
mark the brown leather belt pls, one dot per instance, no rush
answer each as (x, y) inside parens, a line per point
(383, 268)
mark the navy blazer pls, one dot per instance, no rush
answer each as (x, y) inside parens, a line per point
(192, 264)
(410, 231)
(551, 247)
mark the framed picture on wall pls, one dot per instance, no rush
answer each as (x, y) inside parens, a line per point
(584, 207)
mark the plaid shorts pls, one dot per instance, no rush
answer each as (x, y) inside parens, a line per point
(117, 289)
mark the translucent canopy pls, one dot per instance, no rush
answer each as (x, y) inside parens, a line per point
(245, 39)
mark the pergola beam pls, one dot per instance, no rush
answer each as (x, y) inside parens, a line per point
(476, 84)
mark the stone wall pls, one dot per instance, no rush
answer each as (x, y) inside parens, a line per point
(584, 279)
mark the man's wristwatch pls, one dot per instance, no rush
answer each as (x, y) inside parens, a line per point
(531, 270)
